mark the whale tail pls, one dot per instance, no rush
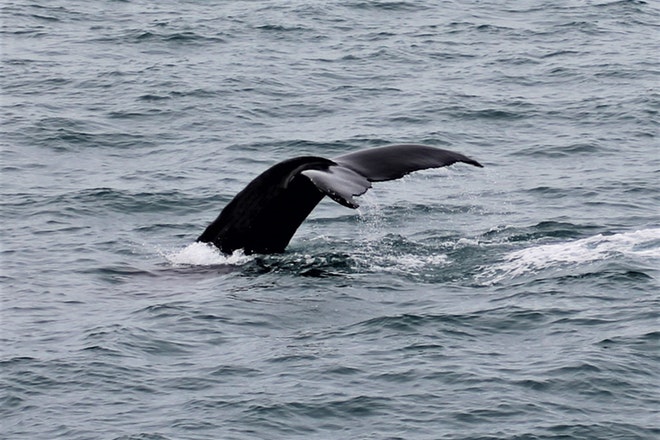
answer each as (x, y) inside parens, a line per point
(263, 217)
(352, 173)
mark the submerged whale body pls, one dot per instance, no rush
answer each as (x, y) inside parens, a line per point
(263, 217)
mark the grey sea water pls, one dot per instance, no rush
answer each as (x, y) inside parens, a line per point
(517, 301)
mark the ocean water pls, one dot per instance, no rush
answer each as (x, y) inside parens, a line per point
(517, 301)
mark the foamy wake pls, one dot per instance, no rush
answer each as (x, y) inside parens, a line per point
(643, 244)
(204, 254)
(407, 264)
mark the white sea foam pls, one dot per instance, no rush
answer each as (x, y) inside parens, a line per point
(407, 263)
(644, 244)
(204, 254)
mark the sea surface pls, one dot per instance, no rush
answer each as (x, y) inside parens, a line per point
(518, 301)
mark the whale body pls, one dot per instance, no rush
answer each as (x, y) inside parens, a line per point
(263, 217)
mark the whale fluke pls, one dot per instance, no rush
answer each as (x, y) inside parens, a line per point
(263, 217)
(395, 161)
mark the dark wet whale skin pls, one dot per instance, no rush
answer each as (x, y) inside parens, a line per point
(263, 217)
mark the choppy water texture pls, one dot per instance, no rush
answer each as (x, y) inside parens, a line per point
(517, 301)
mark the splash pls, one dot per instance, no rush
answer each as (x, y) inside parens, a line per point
(642, 244)
(204, 254)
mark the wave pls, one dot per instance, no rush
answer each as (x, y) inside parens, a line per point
(642, 244)
(445, 261)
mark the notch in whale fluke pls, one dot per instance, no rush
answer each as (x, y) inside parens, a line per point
(263, 217)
